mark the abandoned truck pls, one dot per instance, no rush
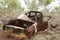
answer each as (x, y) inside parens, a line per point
(25, 25)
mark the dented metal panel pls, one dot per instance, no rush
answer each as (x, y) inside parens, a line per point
(24, 17)
(30, 23)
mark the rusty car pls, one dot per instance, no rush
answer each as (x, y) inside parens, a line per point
(26, 24)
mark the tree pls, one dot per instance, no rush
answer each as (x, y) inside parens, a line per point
(32, 6)
(13, 8)
(35, 6)
(2, 8)
(56, 10)
(44, 2)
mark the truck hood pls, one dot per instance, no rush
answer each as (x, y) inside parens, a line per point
(25, 18)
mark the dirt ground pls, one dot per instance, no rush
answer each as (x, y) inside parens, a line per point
(48, 34)
(4, 37)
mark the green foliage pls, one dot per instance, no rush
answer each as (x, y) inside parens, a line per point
(12, 4)
(27, 2)
(13, 8)
(56, 10)
(35, 6)
(47, 2)
(44, 2)
(32, 6)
